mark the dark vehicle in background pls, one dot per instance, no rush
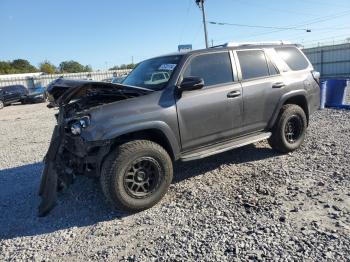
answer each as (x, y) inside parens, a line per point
(36, 95)
(12, 94)
(19, 93)
(129, 135)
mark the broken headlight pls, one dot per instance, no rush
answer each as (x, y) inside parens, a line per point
(77, 125)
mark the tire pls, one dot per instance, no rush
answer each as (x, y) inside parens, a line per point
(1, 104)
(289, 131)
(128, 167)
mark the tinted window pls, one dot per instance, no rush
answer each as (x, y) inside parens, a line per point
(293, 57)
(253, 64)
(214, 68)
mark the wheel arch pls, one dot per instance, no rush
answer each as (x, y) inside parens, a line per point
(153, 134)
(298, 97)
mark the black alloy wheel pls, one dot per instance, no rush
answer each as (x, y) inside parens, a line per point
(142, 177)
(293, 129)
(289, 130)
(136, 175)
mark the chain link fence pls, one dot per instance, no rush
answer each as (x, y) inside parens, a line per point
(44, 80)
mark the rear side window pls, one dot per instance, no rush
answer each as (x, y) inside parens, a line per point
(253, 64)
(293, 57)
(214, 68)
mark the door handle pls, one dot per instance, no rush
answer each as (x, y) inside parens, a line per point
(278, 85)
(233, 94)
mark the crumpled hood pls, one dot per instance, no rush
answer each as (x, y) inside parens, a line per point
(65, 90)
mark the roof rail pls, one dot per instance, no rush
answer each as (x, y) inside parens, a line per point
(237, 44)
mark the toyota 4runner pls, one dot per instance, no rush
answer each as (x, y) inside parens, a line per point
(129, 135)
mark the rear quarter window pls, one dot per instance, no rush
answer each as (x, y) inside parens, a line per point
(253, 64)
(293, 58)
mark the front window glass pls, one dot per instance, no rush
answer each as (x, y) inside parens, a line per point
(214, 68)
(151, 73)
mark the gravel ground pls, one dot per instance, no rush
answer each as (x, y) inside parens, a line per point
(247, 204)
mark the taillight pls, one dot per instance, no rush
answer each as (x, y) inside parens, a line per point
(316, 75)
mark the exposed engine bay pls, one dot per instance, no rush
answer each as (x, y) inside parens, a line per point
(68, 154)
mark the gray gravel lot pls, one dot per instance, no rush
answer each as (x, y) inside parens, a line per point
(247, 204)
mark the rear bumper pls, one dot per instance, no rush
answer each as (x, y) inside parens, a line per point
(67, 157)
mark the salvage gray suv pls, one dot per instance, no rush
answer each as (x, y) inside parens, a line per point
(129, 135)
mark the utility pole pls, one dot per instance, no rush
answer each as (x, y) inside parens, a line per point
(200, 3)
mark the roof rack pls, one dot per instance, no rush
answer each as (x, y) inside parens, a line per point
(237, 44)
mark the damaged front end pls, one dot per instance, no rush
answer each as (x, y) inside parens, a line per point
(69, 154)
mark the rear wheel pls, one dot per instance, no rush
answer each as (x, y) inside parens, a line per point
(1, 104)
(290, 129)
(136, 175)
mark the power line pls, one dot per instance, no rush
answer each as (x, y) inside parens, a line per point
(260, 26)
(313, 21)
(307, 22)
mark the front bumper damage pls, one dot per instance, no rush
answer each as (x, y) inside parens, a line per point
(67, 157)
(70, 154)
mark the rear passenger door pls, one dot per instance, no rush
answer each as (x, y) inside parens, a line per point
(213, 113)
(262, 87)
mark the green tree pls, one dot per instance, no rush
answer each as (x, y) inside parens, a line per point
(47, 67)
(23, 66)
(6, 68)
(88, 68)
(130, 66)
(114, 68)
(73, 67)
(123, 66)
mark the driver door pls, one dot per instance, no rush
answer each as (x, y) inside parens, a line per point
(213, 113)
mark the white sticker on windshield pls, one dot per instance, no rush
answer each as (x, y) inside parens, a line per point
(168, 67)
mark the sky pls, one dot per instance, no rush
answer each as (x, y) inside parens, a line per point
(105, 33)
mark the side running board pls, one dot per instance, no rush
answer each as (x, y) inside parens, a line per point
(224, 146)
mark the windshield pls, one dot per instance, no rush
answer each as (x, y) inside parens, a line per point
(154, 73)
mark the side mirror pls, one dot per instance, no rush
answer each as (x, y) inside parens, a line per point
(191, 83)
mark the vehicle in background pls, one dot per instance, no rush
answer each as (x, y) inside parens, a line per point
(36, 95)
(12, 94)
(19, 93)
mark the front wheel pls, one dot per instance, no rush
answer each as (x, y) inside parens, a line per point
(1, 104)
(136, 175)
(290, 129)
